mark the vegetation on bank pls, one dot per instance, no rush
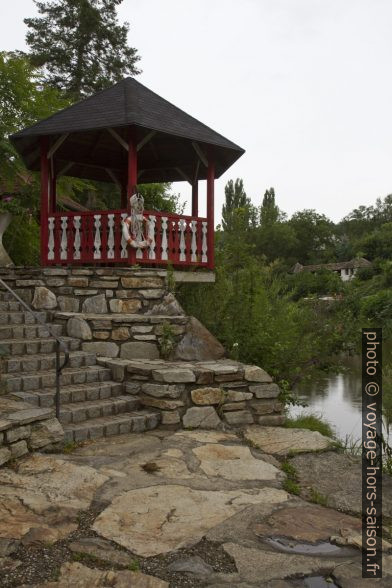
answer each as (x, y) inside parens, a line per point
(265, 315)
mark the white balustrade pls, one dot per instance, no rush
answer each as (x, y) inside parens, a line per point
(193, 240)
(182, 227)
(65, 239)
(204, 242)
(97, 237)
(151, 236)
(77, 237)
(124, 251)
(164, 238)
(64, 243)
(51, 238)
(111, 236)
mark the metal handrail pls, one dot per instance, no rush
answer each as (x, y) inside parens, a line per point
(59, 344)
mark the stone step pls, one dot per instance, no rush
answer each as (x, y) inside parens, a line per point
(36, 363)
(47, 379)
(10, 317)
(10, 306)
(24, 294)
(30, 331)
(77, 412)
(127, 422)
(74, 393)
(35, 346)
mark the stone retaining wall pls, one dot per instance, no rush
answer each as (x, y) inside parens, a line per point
(202, 394)
(90, 290)
(125, 335)
(24, 428)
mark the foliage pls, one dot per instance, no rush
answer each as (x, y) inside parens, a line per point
(250, 310)
(80, 45)
(291, 487)
(236, 202)
(161, 198)
(290, 484)
(318, 498)
(269, 211)
(310, 422)
(319, 283)
(314, 234)
(22, 102)
(166, 340)
(22, 240)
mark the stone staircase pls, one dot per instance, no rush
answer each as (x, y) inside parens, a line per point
(92, 404)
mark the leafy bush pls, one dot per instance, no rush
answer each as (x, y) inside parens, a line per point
(319, 283)
(22, 241)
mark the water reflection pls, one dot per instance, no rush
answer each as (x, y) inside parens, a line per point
(335, 398)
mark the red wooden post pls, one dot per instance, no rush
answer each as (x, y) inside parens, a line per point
(210, 213)
(195, 198)
(44, 199)
(132, 168)
(53, 192)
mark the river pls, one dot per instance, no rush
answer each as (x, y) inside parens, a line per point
(336, 398)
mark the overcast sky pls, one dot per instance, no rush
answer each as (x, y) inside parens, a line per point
(304, 86)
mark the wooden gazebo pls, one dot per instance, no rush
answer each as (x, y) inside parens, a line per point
(127, 135)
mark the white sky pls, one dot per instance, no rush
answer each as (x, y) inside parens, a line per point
(304, 86)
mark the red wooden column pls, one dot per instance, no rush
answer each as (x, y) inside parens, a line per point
(44, 199)
(210, 213)
(195, 198)
(53, 192)
(132, 168)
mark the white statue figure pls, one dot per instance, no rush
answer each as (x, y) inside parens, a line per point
(132, 228)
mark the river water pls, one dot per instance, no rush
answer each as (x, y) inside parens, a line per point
(336, 398)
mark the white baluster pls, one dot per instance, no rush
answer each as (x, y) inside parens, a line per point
(64, 242)
(182, 226)
(124, 252)
(77, 237)
(204, 242)
(164, 238)
(151, 236)
(111, 236)
(193, 241)
(51, 238)
(97, 238)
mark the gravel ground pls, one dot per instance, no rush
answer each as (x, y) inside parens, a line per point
(42, 563)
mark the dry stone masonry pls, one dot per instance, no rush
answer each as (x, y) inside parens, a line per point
(136, 361)
(206, 395)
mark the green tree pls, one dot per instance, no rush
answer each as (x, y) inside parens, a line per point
(22, 102)
(315, 236)
(80, 45)
(269, 211)
(235, 199)
(377, 244)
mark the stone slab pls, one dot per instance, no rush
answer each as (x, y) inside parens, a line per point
(162, 518)
(282, 441)
(234, 462)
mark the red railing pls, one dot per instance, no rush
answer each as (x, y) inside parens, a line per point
(96, 237)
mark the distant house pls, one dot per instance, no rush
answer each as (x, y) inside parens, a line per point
(345, 269)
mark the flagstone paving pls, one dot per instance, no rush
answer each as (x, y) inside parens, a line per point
(176, 509)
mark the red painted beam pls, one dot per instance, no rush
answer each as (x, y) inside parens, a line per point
(210, 214)
(44, 199)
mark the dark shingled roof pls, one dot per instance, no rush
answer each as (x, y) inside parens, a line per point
(126, 104)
